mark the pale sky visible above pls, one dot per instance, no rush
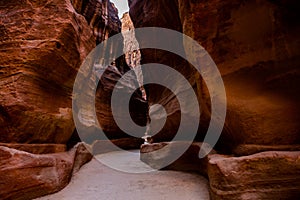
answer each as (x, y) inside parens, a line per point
(122, 6)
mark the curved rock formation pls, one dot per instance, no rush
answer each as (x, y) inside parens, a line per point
(256, 48)
(165, 14)
(28, 176)
(265, 175)
(255, 45)
(108, 75)
(42, 46)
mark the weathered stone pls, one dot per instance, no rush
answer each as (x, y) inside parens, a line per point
(267, 175)
(108, 75)
(255, 45)
(245, 150)
(104, 146)
(37, 148)
(157, 155)
(27, 176)
(165, 14)
(138, 107)
(102, 17)
(82, 156)
(131, 50)
(42, 45)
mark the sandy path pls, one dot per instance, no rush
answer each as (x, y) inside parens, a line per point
(96, 181)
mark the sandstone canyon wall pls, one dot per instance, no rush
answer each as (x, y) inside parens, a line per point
(38, 67)
(42, 45)
(255, 45)
(165, 14)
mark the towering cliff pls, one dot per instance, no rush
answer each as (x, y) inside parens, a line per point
(42, 45)
(256, 48)
(255, 45)
(38, 65)
(132, 56)
(165, 14)
(102, 16)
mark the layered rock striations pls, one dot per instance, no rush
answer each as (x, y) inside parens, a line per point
(103, 82)
(255, 45)
(165, 14)
(102, 16)
(42, 45)
(28, 176)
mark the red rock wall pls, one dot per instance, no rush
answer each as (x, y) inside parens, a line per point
(255, 45)
(102, 16)
(41, 49)
(164, 14)
(42, 46)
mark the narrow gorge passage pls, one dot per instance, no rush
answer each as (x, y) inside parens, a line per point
(50, 134)
(97, 181)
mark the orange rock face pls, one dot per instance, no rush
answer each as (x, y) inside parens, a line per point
(27, 176)
(42, 46)
(164, 14)
(256, 48)
(266, 175)
(255, 45)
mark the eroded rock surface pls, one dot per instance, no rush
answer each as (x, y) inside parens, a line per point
(102, 16)
(255, 45)
(107, 75)
(42, 46)
(165, 14)
(27, 176)
(256, 48)
(266, 175)
(157, 155)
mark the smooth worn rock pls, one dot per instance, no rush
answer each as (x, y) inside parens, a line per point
(37, 148)
(245, 150)
(137, 107)
(42, 45)
(157, 155)
(104, 146)
(267, 175)
(255, 45)
(106, 75)
(146, 13)
(27, 176)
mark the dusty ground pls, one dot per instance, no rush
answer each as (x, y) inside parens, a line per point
(97, 181)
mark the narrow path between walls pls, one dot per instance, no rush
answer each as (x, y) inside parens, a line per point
(97, 181)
